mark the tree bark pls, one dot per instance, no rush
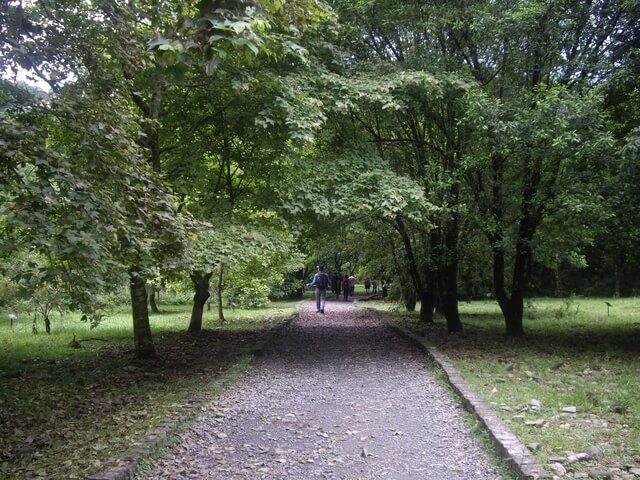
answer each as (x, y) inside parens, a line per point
(514, 322)
(450, 297)
(407, 286)
(143, 341)
(427, 306)
(201, 287)
(152, 301)
(409, 296)
(449, 267)
(426, 315)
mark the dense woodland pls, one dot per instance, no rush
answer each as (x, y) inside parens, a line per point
(456, 149)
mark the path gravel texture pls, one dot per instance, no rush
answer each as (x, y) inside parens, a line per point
(337, 396)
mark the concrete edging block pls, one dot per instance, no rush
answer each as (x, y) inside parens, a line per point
(507, 444)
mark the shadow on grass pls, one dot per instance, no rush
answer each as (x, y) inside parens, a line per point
(52, 407)
(482, 332)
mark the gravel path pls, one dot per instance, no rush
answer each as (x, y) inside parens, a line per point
(338, 396)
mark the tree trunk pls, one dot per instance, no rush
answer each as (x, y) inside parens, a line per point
(619, 275)
(47, 324)
(427, 304)
(558, 278)
(407, 285)
(421, 289)
(409, 296)
(514, 322)
(219, 292)
(152, 301)
(143, 342)
(531, 216)
(449, 268)
(450, 298)
(201, 287)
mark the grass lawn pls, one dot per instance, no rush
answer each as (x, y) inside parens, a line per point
(67, 411)
(576, 353)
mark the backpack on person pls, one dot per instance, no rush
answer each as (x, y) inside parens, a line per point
(322, 281)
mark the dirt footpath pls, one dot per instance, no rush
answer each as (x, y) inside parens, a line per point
(338, 396)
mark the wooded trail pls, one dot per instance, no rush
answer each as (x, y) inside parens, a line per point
(336, 396)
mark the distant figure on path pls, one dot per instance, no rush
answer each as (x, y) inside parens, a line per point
(375, 286)
(367, 285)
(346, 286)
(321, 282)
(352, 284)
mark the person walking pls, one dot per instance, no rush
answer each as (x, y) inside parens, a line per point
(321, 282)
(346, 286)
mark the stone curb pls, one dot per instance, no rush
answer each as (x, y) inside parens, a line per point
(125, 467)
(507, 444)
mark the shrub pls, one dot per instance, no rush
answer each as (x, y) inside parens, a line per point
(9, 292)
(254, 294)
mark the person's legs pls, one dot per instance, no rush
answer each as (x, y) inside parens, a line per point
(323, 299)
(318, 299)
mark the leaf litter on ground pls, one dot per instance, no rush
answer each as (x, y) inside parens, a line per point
(68, 418)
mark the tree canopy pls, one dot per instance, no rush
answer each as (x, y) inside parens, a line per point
(480, 146)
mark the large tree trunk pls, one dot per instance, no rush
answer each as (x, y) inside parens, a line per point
(513, 306)
(449, 274)
(450, 298)
(201, 287)
(514, 322)
(427, 305)
(498, 278)
(143, 342)
(409, 296)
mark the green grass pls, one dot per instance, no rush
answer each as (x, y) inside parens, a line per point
(67, 411)
(574, 354)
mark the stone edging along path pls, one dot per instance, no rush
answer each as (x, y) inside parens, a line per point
(507, 444)
(125, 467)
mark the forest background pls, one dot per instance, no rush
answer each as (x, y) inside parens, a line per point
(453, 149)
(188, 152)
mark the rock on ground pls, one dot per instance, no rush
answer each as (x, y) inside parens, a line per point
(338, 396)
